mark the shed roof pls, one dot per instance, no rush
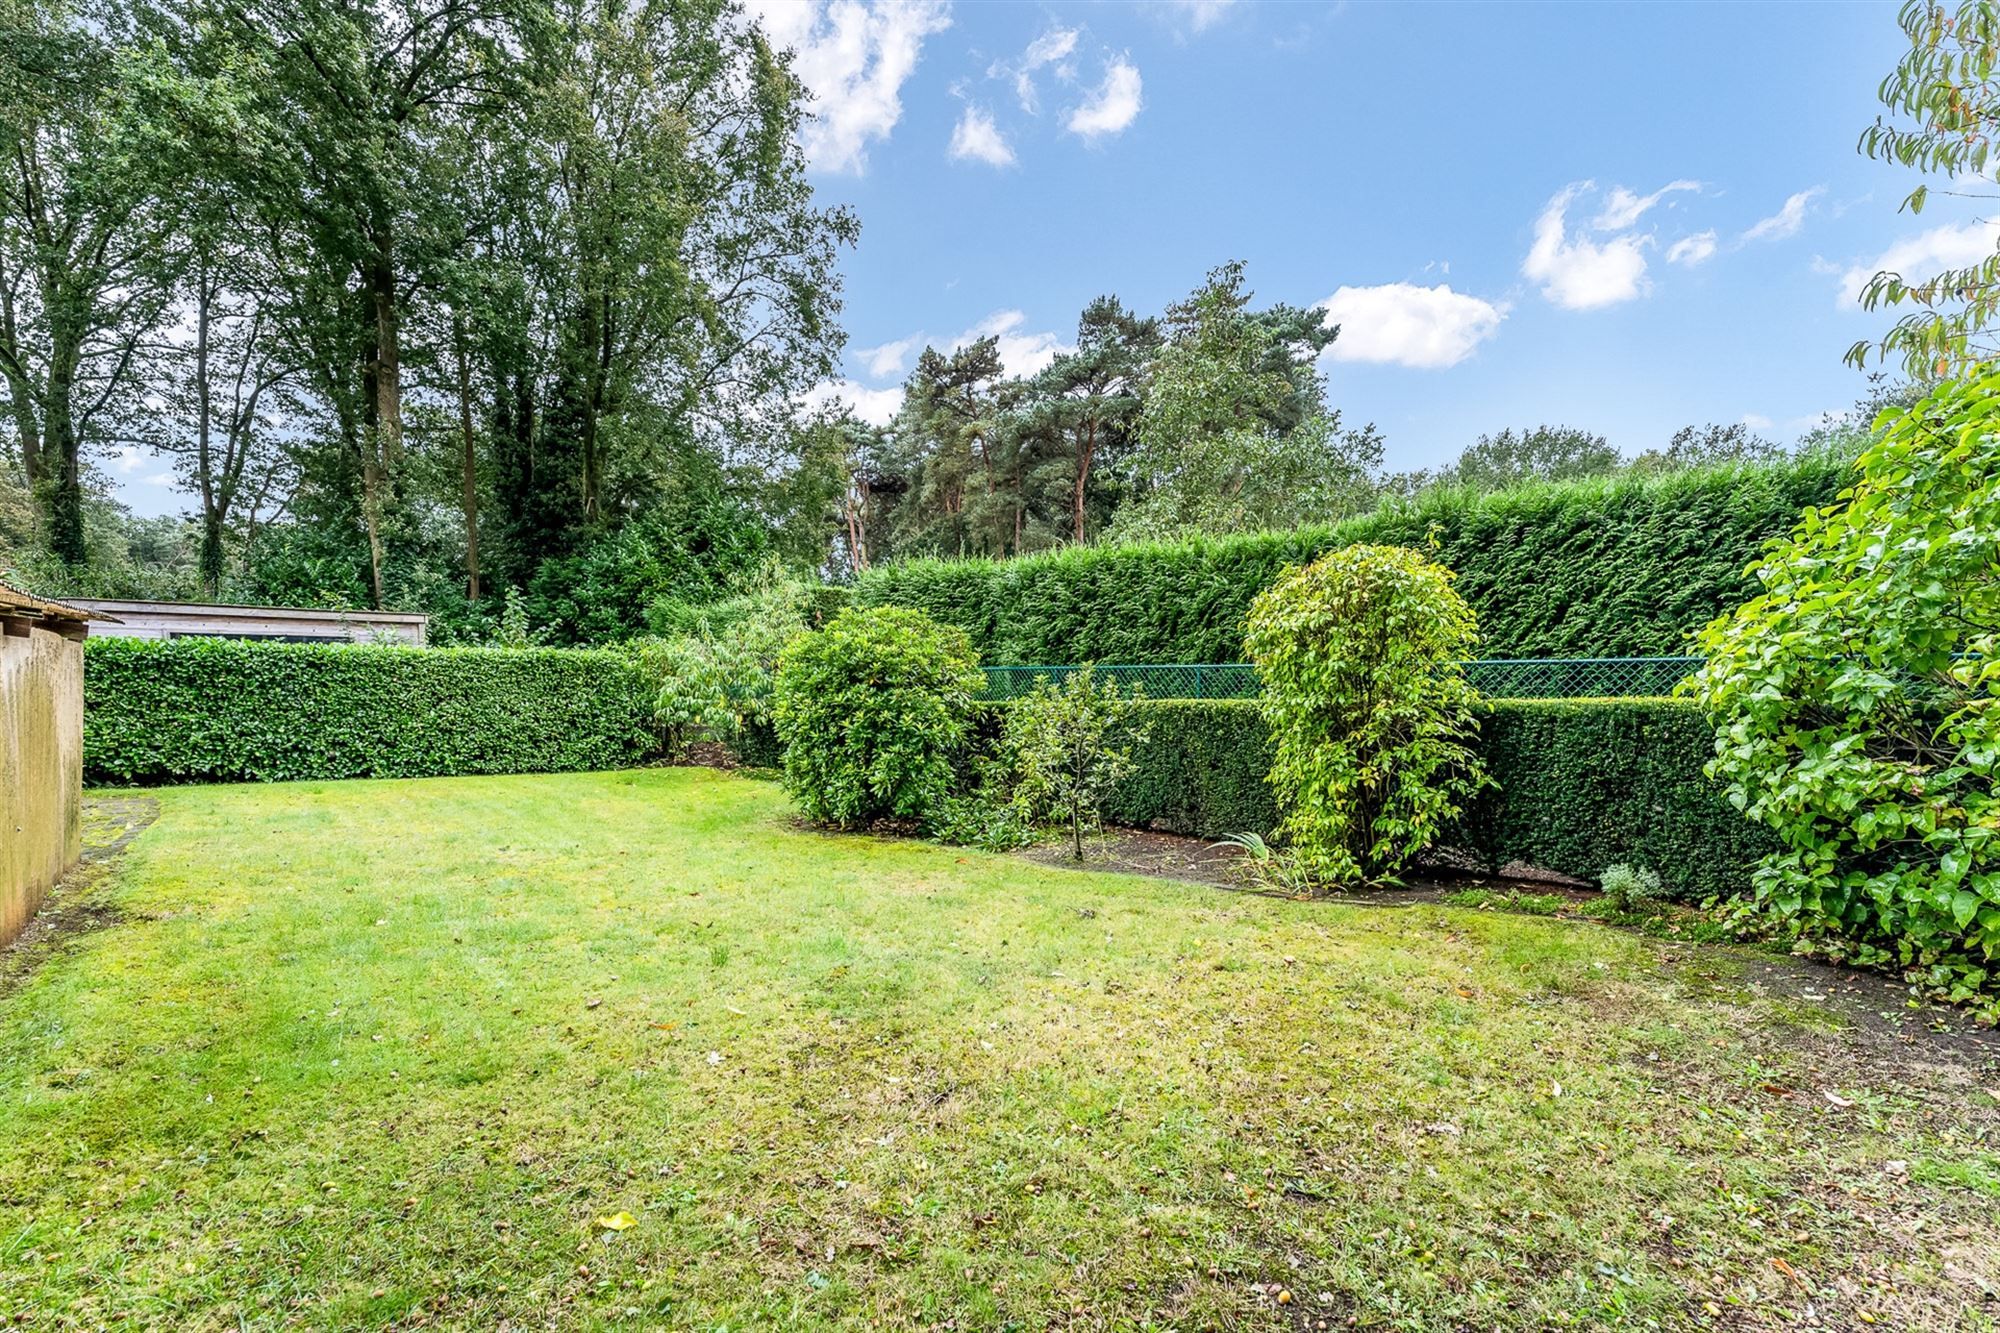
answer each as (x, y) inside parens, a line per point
(132, 606)
(15, 602)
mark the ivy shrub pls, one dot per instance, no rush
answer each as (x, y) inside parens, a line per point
(872, 710)
(1855, 704)
(1361, 656)
(1602, 567)
(223, 710)
(1577, 785)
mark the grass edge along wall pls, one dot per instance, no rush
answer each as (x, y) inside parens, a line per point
(1604, 567)
(1581, 784)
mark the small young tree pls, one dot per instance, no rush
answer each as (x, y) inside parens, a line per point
(1068, 746)
(1361, 657)
(1855, 701)
(871, 711)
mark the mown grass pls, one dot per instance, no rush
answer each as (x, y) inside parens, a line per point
(374, 1055)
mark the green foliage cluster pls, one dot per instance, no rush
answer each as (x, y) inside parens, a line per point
(716, 675)
(209, 710)
(1602, 567)
(1578, 784)
(1855, 703)
(873, 711)
(630, 579)
(1361, 656)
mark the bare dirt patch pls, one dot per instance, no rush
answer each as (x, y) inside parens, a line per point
(79, 903)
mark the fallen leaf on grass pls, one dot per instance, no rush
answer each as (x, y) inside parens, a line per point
(618, 1221)
(1837, 1100)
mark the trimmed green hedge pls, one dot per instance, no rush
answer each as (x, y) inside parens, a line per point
(1583, 784)
(1623, 567)
(209, 710)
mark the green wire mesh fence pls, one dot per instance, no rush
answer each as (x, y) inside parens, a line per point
(1497, 678)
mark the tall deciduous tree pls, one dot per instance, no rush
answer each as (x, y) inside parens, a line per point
(85, 264)
(359, 110)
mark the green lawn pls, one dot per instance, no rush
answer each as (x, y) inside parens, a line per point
(381, 1054)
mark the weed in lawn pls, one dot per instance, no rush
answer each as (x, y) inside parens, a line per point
(1510, 900)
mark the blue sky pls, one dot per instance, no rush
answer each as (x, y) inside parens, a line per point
(1622, 217)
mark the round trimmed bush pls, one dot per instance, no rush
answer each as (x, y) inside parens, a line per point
(871, 711)
(1361, 656)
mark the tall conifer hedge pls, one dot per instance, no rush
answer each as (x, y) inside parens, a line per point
(1621, 567)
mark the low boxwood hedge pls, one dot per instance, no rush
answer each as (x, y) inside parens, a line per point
(219, 710)
(1582, 784)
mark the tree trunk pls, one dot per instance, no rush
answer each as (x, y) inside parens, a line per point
(371, 516)
(1083, 459)
(211, 555)
(388, 358)
(63, 491)
(382, 440)
(1076, 798)
(211, 519)
(468, 468)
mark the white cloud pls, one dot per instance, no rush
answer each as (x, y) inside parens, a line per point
(1622, 208)
(1787, 220)
(1050, 47)
(129, 458)
(1923, 256)
(855, 57)
(1201, 14)
(1578, 273)
(1021, 352)
(1113, 106)
(887, 359)
(877, 407)
(976, 138)
(1692, 250)
(1057, 44)
(1758, 421)
(1401, 324)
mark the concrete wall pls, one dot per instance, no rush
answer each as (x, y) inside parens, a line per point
(41, 767)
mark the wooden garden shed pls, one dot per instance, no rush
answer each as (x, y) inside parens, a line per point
(41, 749)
